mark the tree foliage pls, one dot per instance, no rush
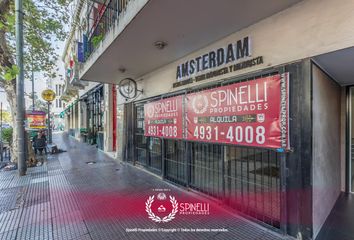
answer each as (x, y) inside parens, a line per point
(7, 134)
(6, 117)
(45, 22)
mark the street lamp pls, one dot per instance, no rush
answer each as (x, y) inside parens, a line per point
(49, 95)
(32, 80)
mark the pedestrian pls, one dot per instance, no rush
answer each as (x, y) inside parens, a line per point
(39, 142)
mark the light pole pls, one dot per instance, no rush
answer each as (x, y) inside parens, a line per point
(33, 108)
(20, 90)
(49, 127)
(49, 95)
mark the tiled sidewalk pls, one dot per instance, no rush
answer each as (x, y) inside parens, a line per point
(68, 199)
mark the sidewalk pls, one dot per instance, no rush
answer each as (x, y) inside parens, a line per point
(67, 198)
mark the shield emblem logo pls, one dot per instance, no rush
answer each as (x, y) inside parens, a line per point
(260, 117)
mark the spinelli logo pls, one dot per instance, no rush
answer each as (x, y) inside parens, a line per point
(200, 104)
(150, 111)
(163, 209)
(162, 204)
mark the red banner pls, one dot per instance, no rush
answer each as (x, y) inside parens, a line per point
(252, 113)
(164, 118)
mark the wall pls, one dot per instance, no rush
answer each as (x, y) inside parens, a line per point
(326, 146)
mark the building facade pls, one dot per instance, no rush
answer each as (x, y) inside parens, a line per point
(228, 65)
(89, 104)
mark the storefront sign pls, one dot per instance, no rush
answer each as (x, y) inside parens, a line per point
(225, 70)
(48, 95)
(252, 113)
(215, 58)
(164, 118)
(35, 120)
(231, 58)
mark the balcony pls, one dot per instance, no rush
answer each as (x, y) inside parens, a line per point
(69, 92)
(107, 19)
(104, 19)
(121, 44)
(74, 79)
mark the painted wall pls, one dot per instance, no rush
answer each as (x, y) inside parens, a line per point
(326, 146)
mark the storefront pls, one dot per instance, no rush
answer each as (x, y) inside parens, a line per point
(92, 116)
(246, 168)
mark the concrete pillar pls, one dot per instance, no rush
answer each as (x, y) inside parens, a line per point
(108, 127)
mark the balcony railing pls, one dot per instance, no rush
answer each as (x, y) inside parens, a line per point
(106, 18)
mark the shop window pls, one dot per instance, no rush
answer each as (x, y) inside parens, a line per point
(253, 182)
(94, 114)
(155, 154)
(148, 149)
(175, 160)
(206, 168)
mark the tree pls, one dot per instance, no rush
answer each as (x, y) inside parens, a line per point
(6, 117)
(43, 25)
